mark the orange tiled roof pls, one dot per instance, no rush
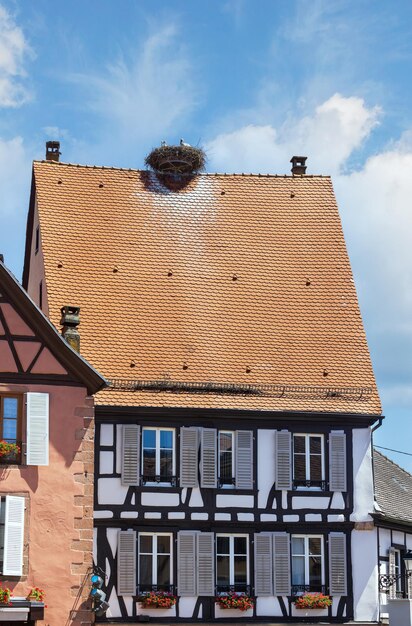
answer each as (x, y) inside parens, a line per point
(231, 280)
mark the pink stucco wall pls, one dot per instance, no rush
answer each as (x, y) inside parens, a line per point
(59, 540)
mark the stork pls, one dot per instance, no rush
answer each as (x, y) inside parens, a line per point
(186, 145)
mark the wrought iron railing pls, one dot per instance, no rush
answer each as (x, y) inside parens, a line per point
(223, 482)
(319, 484)
(150, 478)
(298, 589)
(142, 589)
(386, 581)
(13, 457)
(237, 588)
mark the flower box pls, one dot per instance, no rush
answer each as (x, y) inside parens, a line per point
(235, 601)
(312, 601)
(9, 452)
(157, 600)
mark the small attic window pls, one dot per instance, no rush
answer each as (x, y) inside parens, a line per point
(37, 245)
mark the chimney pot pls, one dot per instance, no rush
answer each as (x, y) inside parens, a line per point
(70, 320)
(298, 165)
(53, 150)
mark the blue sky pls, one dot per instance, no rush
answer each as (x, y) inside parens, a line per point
(252, 81)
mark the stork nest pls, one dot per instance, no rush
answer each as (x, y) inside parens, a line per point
(176, 160)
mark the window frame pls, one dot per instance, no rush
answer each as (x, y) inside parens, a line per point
(232, 584)
(306, 556)
(231, 485)
(307, 454)
(19, 425)
(155, 482)
(155, 554)
(398, 571)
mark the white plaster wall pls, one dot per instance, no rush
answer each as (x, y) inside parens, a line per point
(384, 541)
(196, 499)
(337, 501)
(313, 502)
(265, 464)
(365, 575)
(154, 499)
(111, 491)
(187, 606)
(363, 499)
(106, 434)
(268, 606)
(398, 537)
(238, 502)
(106, 459)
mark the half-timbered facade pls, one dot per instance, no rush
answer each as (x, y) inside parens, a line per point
(233, 446)
(46, 451)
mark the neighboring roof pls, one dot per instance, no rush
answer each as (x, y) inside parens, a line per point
(393, 489)
(231, 280)
(75, 364)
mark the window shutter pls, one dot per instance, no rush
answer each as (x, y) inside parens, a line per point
(392, 572)
(409, 587)
(208, 462)
(126, 563)
(283, 460)
(189, 465)
(337, 564)
(186, 563)
(337, 461)
(263, 564)
(281, 564)
(37, 424)
(244, 459)
(13, 536)
(130, 454)
(205, 564)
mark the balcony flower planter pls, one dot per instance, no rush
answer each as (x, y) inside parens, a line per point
(157, 600)
(5, 596)
(9, 452)
(36, 595)
(310, 601)
(235, 601)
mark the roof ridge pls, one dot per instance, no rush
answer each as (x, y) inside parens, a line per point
(393, 462)
(132, 169)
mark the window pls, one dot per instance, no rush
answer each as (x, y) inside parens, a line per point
(155, 561)
(232, 563)
(10, 426)
(307, 563)
(158, 455)
(226, 459)
(397, 571)
(308, 461)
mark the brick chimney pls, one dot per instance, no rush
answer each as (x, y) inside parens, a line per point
(53, 150)
(70, 321)
(298, 165)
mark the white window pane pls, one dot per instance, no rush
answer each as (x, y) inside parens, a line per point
(10, 429)
(298, 545)
(166, 439)
(149, 438)
(10, 407)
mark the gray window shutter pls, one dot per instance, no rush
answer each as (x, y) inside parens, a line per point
(244, 459)
(337, 461)
(337, 564)
(392, 572)
(281, 564)
(186, 563)
(189, 464)
(126, 563)
(130, 454)
(263, 564)
(208, 458)
(13, 536)
(283, 460)
(37, 428)
(205, 564)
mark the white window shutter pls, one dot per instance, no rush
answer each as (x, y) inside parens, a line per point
(263, 564)
(281, 564)
(13, 536)
(37, 424)
(189, 463)
(392, 572)
(283, 460)
(130, 454)
(126, 563)
(186, 563)
(244, 459)
(208, 458)
(205, 564)
(337, 461)
(337, 564)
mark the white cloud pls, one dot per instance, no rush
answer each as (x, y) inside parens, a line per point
(151, 91)
(329, 136)
(14, 50)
